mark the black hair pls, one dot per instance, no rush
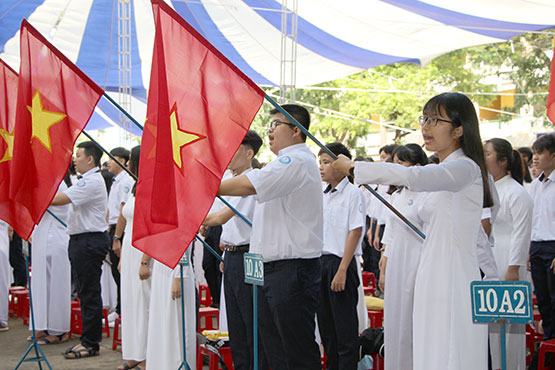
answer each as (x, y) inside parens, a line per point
(461, 112)
(433, 159)
(526, 154)
(135, 155)
(299, 113)
(91, 149)
(525, 170)
(411, 153)
(544, 142)
(253, 141)
(337, 148)
(389, 149)
(120, 152)
(505, 152)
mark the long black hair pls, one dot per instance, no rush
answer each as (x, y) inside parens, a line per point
(134, 164)
(461, 112)
(504, 152)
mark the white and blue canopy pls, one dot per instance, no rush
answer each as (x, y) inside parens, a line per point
(334, 38)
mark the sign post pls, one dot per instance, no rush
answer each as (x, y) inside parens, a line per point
(254, 275)
(502, 302)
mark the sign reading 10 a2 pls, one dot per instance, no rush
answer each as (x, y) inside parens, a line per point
(501, 300)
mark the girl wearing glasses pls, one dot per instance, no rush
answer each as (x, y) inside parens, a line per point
(444, 336)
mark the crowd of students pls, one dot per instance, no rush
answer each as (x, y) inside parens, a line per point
(486, 211)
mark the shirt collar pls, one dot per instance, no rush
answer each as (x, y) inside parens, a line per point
(504, 179)
(456, 154)
(292, 148)
(551, 177)
(120, 175)
(339, 188)
(91, 171)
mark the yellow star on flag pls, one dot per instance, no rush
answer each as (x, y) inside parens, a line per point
(42, 120)
(8, 138)
(180, 138)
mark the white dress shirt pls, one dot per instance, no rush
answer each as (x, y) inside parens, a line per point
(542, 191)
(89, 200)
(288, 219)
(236, 231)
(344, 211)
(122, 185)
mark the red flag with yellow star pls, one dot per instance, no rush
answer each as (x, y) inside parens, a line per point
(55, 101)
(200, 107)
(9, 209)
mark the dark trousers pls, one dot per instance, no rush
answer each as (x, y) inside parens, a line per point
(238, 304)
(367, 248)
(337, 315)
(86, 254)
(541, 256)
(287, 308)
(114, 260)
(211, 265)
(17, 261)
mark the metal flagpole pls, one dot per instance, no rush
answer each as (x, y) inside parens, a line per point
(34, 345)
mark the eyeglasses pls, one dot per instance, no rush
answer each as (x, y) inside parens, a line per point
(431, 121)
(275, 123)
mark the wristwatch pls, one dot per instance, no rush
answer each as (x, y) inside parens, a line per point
(118, 238)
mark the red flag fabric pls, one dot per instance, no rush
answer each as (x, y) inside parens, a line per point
(9, 210)
(550, 104)
(55, 101)
(200, 107)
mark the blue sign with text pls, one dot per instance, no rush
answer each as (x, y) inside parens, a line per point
(510, 301)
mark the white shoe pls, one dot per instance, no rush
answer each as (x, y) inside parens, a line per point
(4, 326)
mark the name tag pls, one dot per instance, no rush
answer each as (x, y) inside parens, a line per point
(185, 259)
(254, 269)
(510, 301)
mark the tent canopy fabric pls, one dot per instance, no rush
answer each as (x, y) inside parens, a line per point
(334, 38)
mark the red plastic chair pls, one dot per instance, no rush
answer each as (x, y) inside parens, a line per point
(116, 340)
(208, 318)
(369, 283)
(547, 346)
(375, 318)
(21, 304)
(213, 362)
(76, 325)
(204, 296)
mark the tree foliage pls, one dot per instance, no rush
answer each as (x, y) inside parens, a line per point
(394, 94)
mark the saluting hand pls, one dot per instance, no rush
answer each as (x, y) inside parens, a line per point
(342, 164)
(338, 282)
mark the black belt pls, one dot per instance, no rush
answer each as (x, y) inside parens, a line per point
(236, 248)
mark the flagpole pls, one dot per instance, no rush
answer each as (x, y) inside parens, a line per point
(184, 365)
(210, 249)
(331, 154)
(122, 110)
(39, 353)
(110, 155)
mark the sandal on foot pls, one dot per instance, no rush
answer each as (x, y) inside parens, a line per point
(127, 365)
(37, 336)
(80, 351)
(53, 339)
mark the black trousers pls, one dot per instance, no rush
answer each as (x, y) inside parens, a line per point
(86, 254)
(541, 256)
(367, 248)
(17, 261)
(287, 308)
(211, 265)
(337, 315)
(238, 303)
(114, 259)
